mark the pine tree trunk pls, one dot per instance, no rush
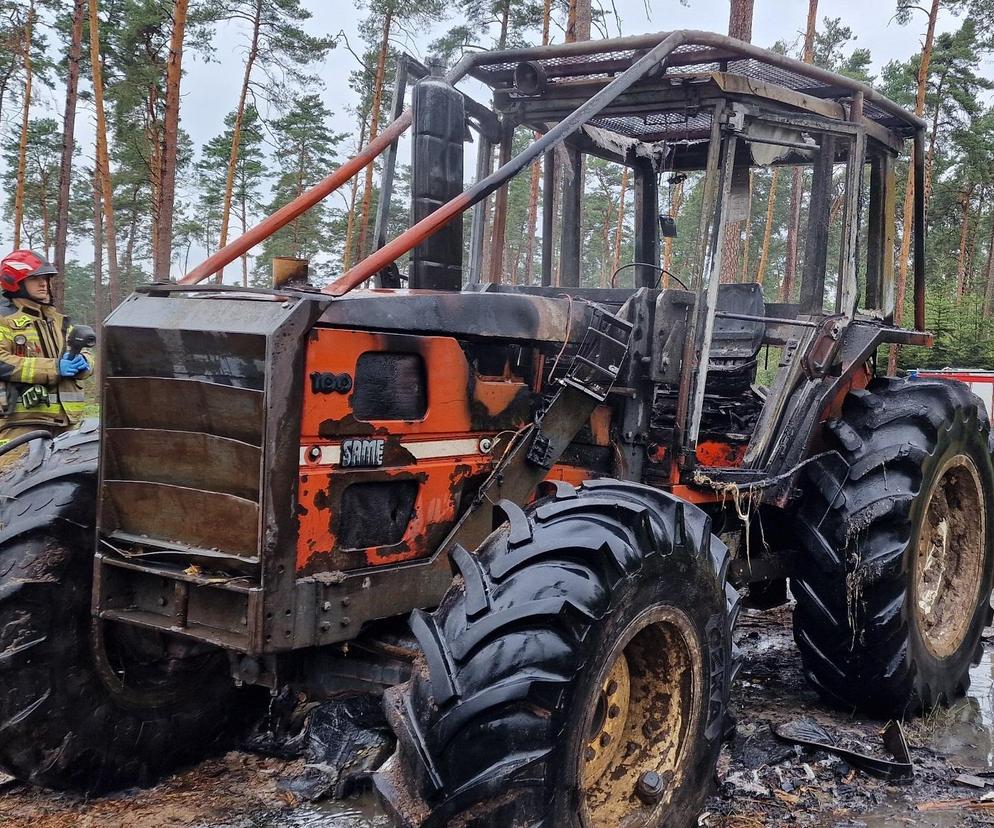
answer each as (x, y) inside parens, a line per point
(620, 228)
(965, 199)
(493, 258)
(764, 254)
(68, 146)
(971, 252)
(244, 220)
(747, 234)
(46, 235)
(606, 223)
(740, 19)
(578, 23)
(153, 140)
(532, 221)
(22, 151)
(932, 137)
(128, 259)
(989, 285)
(374, 128)
(909, 190)
(236, 131)
(793, 236)
(170, 145)
(98, 247)
(350, 226)
(103, 157)
(579, 20)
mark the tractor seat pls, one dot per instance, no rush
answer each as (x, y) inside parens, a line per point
(735, 343)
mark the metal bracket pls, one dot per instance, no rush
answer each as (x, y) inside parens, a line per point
(540, 452)
(598, 361)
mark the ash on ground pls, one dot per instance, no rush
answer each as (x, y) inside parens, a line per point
(761, 781)
(765, 782)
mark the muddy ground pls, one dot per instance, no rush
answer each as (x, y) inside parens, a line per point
(762, 782)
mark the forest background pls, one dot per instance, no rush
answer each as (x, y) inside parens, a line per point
(130, 155)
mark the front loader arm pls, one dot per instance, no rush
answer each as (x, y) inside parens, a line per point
(530, 454)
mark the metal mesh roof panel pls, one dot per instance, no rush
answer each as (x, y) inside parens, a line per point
(689, 59)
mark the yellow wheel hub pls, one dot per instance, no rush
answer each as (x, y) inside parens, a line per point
(609, 721)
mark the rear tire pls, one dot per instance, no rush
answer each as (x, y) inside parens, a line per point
(895, 593)
(87, 706)
(586, 643)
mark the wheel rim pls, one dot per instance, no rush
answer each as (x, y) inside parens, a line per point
(641, 721)
(950, 554)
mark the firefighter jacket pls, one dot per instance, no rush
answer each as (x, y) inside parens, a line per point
(32, 339)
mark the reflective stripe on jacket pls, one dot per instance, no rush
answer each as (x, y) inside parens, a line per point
(32, 339)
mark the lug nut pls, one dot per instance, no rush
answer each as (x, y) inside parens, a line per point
(605, 739)
(589, 754)
(612, 687)
(649, 787)
(613, 711)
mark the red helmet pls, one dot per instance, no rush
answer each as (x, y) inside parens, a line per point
(20, 264)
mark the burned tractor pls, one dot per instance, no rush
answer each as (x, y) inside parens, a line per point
(528, 512)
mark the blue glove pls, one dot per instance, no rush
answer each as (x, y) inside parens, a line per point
(70, 366)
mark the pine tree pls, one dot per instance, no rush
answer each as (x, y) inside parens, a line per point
(103, 155)
(279, 49)
(306, 149)
(169, 150)
(212, 177)
(33, 198)
(26, 47)
(73, 60)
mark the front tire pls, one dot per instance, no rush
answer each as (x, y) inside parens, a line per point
(895, 591)
(84, 705)
(576, 673)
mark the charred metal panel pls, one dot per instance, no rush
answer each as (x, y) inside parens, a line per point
(356, 469)
(177, 457)
(570, 237)
(646, 223)
(376, 513)
(194, 388)
(816, 245)
(436, 178)
(673, 308)
(509, 317)
(184, 405)
(389, 386)
(180, 515)
(219, 613)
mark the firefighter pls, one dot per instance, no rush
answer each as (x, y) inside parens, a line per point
(39, 380)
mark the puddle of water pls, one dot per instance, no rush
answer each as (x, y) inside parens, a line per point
(965, 732)
(361, 811)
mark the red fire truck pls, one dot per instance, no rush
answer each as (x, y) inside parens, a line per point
(981, 382)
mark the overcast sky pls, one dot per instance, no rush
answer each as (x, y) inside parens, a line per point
(211, 89)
